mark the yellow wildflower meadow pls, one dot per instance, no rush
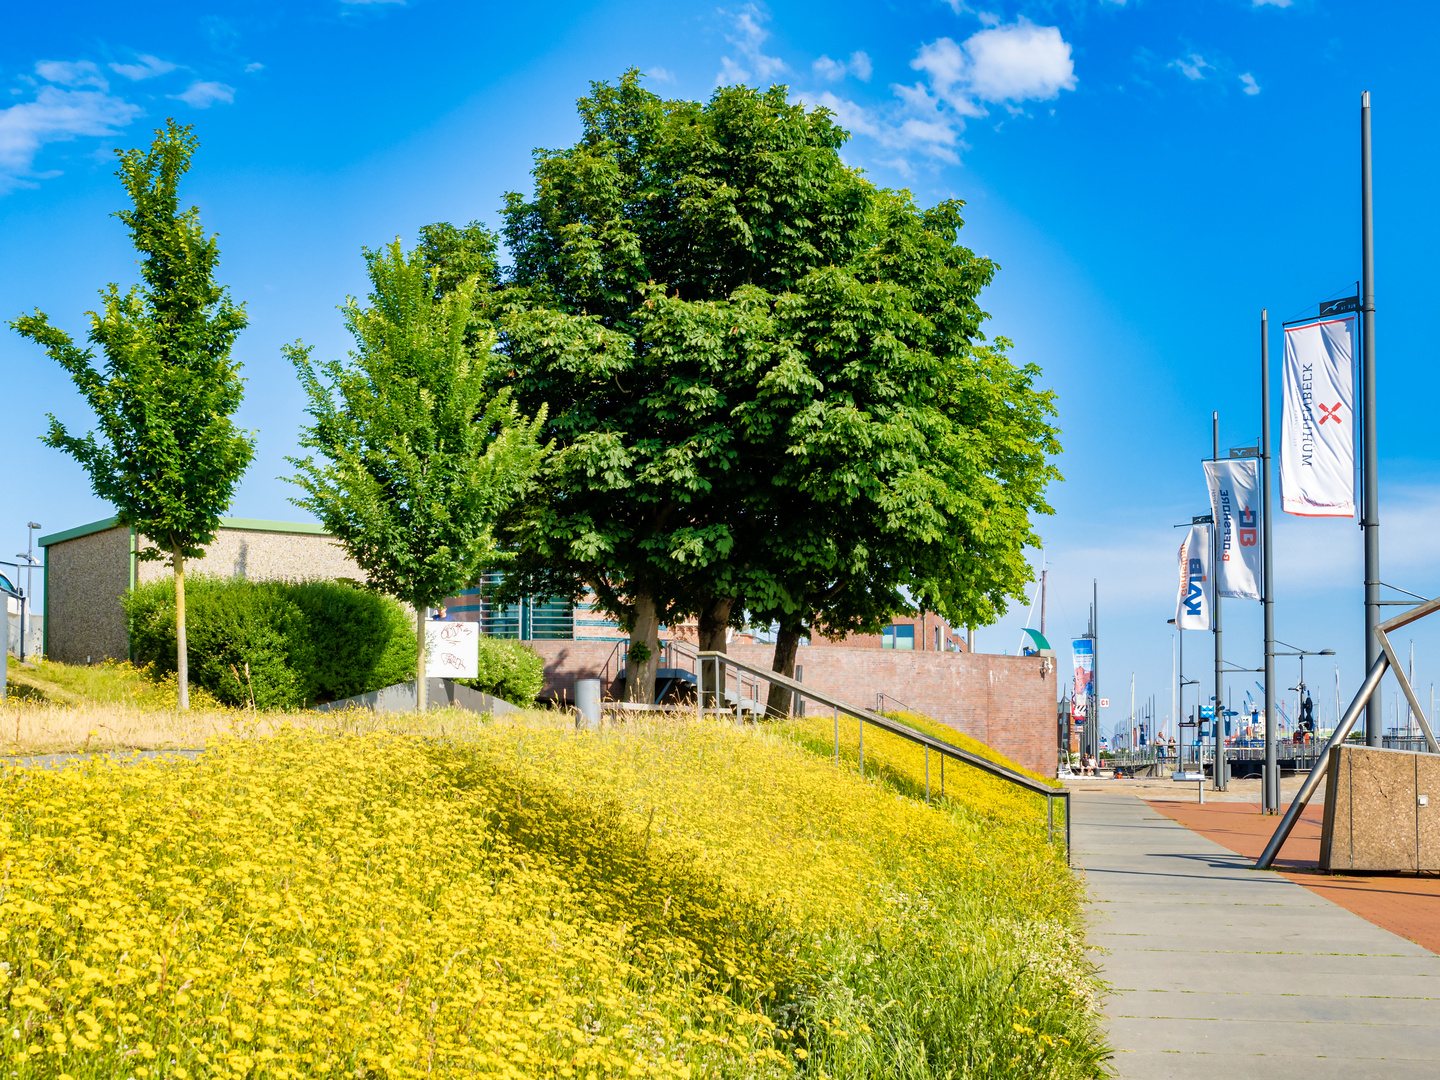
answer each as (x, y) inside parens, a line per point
(674, 899)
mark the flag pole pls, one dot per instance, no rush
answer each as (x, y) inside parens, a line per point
(1272, 764)
(1370, 515)
(1218, 774)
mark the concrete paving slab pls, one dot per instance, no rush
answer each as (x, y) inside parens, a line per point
(1307, 1008)
(1219, 970)
(1221, 1066)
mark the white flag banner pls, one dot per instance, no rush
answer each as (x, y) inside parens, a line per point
(1235, 505)
(1317, 435)
(1192, 606)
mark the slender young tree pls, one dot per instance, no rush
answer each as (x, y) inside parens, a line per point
(168, 455)
(419, 454)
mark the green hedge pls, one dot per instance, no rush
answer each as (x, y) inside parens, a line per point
(509, 670)
(305, 641)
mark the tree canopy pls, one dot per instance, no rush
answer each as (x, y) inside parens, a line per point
(772, 396)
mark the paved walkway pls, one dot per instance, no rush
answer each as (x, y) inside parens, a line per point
(122, 757)
(1220, 971)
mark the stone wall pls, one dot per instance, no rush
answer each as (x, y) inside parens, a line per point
(84, 580)
(1007, 702)
(264, 555)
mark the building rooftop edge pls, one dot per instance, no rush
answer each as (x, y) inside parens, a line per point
(245, 524)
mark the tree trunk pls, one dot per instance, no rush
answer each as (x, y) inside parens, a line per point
(713, 622)
(640, 677)
(421, 684)
(182, 649)
(787, 644)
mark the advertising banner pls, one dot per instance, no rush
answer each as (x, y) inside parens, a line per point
(1317, 432)
(452, 650)
(1192, 603)
(1083, 650)
(1235, 505)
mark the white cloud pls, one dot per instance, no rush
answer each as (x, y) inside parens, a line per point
(1193, 67)
(1019, 62)
(934, 136)
(748, 38)
(147, 68)
(250, 69)
(660, 74)
(400, 2)
(75, 73)
(1251, 86)
(1007, 64)
(829, 70)
(58, 114)
(1273, 3)
(201, 95)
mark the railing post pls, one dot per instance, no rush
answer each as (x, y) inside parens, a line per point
(1050, 818)
(837, 736)
(862, 746)
(1067, 828)
(942, 774)
(927, 774)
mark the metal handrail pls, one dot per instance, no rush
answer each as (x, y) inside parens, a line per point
(881, 698)
(721, 661)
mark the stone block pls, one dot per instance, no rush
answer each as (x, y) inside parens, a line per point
(1373, 820)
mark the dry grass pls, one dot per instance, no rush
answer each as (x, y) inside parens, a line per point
(51, 729)
(29, 727)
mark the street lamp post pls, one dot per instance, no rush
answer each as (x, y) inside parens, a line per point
(1302, 653)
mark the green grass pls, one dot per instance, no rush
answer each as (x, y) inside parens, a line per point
(110, 682)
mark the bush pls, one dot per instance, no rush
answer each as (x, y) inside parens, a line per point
(509, 670)
(280, 645)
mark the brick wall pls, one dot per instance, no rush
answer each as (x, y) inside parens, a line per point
(1007, 702)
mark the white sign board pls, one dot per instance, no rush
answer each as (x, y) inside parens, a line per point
(1104, 703)
(452, 650)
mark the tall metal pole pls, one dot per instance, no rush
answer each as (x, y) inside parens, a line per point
(1094, 724)
(1043, 575)
(1175, 701)
(1218, 723)
(1267, 592)
(1370, 521)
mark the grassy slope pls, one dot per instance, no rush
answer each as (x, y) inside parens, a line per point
(666, 898)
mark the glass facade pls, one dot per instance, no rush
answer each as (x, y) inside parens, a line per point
(898, 637)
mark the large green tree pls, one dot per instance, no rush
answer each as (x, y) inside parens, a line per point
(168, 455)
(418, 454)
(772, 395)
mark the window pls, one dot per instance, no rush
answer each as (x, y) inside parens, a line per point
(898, 637)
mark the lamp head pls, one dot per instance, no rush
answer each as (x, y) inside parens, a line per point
(1327, 652)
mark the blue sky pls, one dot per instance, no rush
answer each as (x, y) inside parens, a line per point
(1148, 176)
